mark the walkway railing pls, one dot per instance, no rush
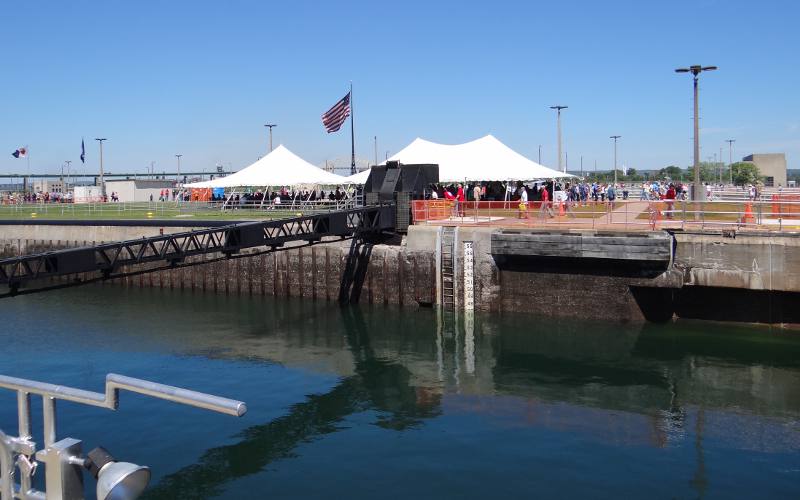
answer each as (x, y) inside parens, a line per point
(244, 209)
(778, 214)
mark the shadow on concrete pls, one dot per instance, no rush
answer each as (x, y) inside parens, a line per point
(355, 271)
(581, 266)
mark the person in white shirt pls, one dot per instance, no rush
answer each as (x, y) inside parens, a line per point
(523, 202)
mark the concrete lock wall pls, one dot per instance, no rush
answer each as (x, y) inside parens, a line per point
(742, 276)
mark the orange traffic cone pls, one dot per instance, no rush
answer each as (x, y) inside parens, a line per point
(561, 210)
(748, 213)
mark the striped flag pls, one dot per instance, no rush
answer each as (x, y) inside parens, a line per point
(335, 117)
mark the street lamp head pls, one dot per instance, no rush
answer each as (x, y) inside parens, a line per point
(615, 137)
(101, 139)
(695, 69)
(559, 107)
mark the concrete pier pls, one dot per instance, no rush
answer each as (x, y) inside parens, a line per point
(744, 276)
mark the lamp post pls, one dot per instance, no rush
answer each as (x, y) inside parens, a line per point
(540, 154)
(179, 166)
(730, 157)
(376, 150)
(615, 137)
(558, 126)
(102, 181)
(699, 194)
(270, 126)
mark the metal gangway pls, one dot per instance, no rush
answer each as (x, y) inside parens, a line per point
(127, 258)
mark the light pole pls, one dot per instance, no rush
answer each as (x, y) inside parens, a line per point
(68, 162)
(376, 150)
(270, 126)
(102, 181)
(730, 157)
(558, 125)
(699, 194)
(179, 166)
(540, 154)
(615, 137)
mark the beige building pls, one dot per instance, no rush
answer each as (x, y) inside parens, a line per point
(48, 186)
(772, 167)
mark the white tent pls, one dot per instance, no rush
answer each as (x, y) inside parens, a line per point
(280, 167)
(484, 159)
(359, 178)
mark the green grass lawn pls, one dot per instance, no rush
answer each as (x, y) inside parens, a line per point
(138, 211)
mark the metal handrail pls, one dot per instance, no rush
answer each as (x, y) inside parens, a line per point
(114, 383)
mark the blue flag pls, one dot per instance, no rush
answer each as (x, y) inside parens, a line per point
(83, 152)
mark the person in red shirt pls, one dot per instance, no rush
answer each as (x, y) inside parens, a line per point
(460, 201)
(546, 209)
(669, 197)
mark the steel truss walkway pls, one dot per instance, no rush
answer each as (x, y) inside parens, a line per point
(126, 258)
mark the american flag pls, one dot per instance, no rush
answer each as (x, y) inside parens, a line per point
(334, 117)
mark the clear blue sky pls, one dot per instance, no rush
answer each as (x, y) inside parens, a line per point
(201, 78)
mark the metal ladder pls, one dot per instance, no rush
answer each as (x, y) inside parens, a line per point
(448, 268)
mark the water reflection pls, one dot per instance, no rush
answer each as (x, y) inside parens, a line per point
(652, 385)
(674, 398)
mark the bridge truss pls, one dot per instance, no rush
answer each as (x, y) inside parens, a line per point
(131, 257)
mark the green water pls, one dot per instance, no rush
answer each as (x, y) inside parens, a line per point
(390, 403)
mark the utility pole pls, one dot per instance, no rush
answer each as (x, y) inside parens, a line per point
(730, 157)
(179, 166)
(615, 137)
(68, 162)
(376, 150)
(102, 181)
(581, 166)
(699, 194)
(540, 154)
(270, 126)
(558, 126)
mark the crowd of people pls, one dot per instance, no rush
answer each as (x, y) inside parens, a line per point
(286, 195)
(39, 197)
(569, 193)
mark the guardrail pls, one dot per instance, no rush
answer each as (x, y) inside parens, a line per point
(198, 209)
(778, 214)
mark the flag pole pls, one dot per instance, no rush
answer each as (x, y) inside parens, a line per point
(28, 159)
(352, 135)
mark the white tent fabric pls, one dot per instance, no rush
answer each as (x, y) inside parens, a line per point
(281, 167)
(359, 178)
(484, 159)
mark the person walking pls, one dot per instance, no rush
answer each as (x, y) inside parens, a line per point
(545, 208)
(669, 198)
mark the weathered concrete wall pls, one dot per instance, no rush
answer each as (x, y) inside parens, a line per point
(710, 274)
(752, 261)
(393, 274)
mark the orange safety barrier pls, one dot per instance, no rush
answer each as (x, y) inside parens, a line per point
(785, 204)
(748, 213)
(200, 194)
